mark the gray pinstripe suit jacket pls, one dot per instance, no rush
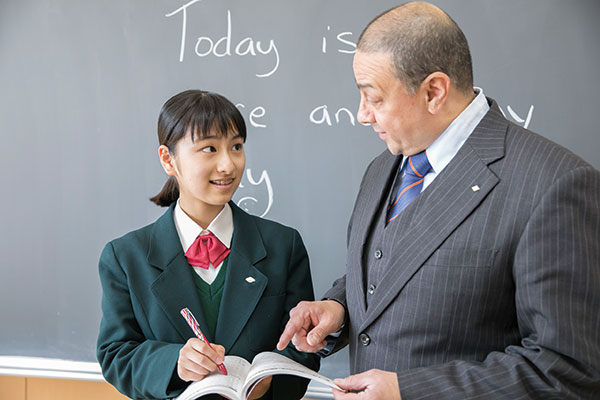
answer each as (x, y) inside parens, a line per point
(488, 294)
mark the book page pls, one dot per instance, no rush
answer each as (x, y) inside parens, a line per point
(229, 385)
(269, 363)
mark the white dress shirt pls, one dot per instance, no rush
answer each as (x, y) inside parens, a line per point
(445, 147)
(188, 230)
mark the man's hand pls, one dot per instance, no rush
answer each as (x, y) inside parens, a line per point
(310, 322)
(373, 384)
(197, 359)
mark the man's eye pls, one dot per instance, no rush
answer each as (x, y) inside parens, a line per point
(209, 149)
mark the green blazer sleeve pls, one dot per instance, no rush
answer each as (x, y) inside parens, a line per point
(138, 367)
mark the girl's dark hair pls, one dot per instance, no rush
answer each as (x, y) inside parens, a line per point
(201, 113)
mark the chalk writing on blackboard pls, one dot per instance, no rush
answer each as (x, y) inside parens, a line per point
(321, 115)
(222, 47)
(255, 113)
(350, 47)
(253, 199)
(525, 122)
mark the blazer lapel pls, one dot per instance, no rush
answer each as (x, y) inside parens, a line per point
(424, 225)
(174, 288)
(244, 283)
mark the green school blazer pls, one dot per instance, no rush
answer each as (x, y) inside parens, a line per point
(146, 280)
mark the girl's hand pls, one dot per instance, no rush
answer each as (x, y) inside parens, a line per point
(197, 359)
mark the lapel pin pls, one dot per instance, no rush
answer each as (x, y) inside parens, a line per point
(250, 279)
(475, 188)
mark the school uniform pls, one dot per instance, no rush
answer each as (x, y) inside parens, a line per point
(147, 280)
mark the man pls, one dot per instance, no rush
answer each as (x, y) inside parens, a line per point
(474, 245)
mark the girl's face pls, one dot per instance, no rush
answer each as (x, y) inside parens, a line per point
(208, 171)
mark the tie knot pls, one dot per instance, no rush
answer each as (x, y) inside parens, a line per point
(418, 165)
(207, 237)
(206, 249)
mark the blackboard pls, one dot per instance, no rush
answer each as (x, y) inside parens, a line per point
(82, 83)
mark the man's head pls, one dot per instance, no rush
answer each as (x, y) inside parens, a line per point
(421, 39)
(413, 68)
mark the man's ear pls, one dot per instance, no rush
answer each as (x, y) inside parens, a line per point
(166, 160)
(436, 87)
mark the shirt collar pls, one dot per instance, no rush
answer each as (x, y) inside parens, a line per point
(187, 229)
(445, 147)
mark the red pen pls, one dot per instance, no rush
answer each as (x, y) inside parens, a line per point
(189, 317)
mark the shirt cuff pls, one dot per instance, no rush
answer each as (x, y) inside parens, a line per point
(331, 341)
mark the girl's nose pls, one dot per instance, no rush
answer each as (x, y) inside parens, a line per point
(225, 163)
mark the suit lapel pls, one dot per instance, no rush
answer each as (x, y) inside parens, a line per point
(424, 225)
(365, 214)
(381, 175)
(241, 295)
(174, 288)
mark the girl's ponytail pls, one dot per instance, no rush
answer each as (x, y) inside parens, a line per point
(168, 194)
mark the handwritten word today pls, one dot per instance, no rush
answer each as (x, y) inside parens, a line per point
(222, 47)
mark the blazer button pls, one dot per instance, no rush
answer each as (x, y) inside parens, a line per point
(371, 289)
(378, 254)
(364, 339)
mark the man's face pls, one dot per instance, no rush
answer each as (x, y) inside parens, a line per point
(396, 115)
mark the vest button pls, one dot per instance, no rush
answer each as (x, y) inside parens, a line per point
(378, 254)
(364, 339)
(371, 289)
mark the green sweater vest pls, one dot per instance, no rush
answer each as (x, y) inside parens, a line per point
(210, 297)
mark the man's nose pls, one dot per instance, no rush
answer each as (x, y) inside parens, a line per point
(364, 114)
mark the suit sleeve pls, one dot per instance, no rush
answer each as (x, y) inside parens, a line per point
(337, 292)
(556, 272)
(299, 288)
(137, 367)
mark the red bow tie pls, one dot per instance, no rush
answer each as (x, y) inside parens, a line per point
(206, 249)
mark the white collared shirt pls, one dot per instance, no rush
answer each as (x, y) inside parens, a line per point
(445, 147)
(188, 230)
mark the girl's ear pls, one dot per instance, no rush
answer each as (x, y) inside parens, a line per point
(166, 160)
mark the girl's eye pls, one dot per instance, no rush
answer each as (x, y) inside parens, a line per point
(237, 146)
(209, 149)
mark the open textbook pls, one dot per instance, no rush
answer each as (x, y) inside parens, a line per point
(242, 376)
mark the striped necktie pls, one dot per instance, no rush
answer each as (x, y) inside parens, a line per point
(415, 169)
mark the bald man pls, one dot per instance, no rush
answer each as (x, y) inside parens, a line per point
(473, 266)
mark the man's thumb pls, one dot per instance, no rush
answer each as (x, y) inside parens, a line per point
(352, 382)
(315, 336)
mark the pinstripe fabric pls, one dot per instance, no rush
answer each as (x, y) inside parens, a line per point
(493, 294)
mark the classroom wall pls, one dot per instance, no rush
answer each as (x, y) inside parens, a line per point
(26, 388)
(82, 84)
